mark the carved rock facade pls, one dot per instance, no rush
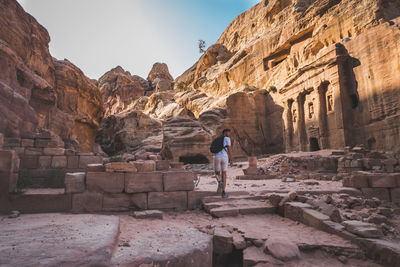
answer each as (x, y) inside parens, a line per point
(329, 68)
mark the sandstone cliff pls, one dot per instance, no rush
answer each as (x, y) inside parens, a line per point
(319, 64)
(39, 92)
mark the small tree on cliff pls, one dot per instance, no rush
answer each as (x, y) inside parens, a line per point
(202, 46)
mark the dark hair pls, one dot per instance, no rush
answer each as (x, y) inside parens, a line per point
(226, 130)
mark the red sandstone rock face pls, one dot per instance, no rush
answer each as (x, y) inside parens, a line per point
(119, 89)
(27, 38)
(36, 92)
(159, 71)
(318, 61)
(79, 104)
(130, 131)
(186, 140)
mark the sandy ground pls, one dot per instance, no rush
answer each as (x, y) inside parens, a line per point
(208, 181)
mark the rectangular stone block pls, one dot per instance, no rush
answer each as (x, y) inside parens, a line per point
(116, 202)
(124, 202)
(162, 165)
(195, 197)
(384, 180)
(178, 181)
(85, 160)
(59, 162)
(85, 153)
(381, 193)
(167, 200)
(87, 202)
(5, 178)
(75, 182)
(72, 162)
(395, 195)
(138, 201)
(53, 151)
(177, 165)
(46, 143)
(31, 151)
(120, 167)
(145, 165)
(358, 180)
(251, 170)
(12, 142)
(44, 162)
(9, 161)
(222, 241)
(29, 162)
(294, 210)
(40, 203)
(143, 182)
(69, 152)
(19, 150)
(12, 184)
(109, 182)
(95, 168)
(314, 218)
(27, 142)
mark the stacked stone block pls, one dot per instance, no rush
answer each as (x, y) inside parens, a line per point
(9, 165)
(385, 186)
(359, 158)
(40, 155)
(136, 185)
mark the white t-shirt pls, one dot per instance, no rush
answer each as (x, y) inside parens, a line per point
(224, 152)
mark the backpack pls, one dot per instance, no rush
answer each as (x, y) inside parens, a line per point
(217, 144)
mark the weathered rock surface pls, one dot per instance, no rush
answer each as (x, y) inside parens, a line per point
(159, 71)
(130, 131)
(79, 107)
(310, 58)
(185, 140)
(178, 246)
(37, 91)
(282, 249)
(58, 239)
(119, 89)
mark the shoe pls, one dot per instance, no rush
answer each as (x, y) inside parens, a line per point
(224, 195)
(220, 184)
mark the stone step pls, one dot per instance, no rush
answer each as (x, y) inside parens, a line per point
(233, 196)
(239, 206)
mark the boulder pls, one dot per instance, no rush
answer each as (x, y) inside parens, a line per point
(282, 249)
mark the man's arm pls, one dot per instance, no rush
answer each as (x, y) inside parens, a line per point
(230, 155)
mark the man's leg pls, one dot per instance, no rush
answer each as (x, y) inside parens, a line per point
(224, 169)
(224, 180)
(218, 174)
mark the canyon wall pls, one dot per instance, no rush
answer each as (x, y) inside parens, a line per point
(285, 75)
(38, 92)
(330, 70)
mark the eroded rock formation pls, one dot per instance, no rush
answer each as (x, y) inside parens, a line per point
(119, 89)
(317, 61)
(130, 131)
(285, 75)
(39, 92)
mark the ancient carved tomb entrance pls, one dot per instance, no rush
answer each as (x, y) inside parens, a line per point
(309, 115)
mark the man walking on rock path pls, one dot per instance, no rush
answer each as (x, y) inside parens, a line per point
(221, 147)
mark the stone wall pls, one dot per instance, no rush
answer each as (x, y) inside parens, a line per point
(375, 174)
(136, 185)
(42, 157)
(9, 166)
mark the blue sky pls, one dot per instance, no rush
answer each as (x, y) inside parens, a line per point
(97, 35)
